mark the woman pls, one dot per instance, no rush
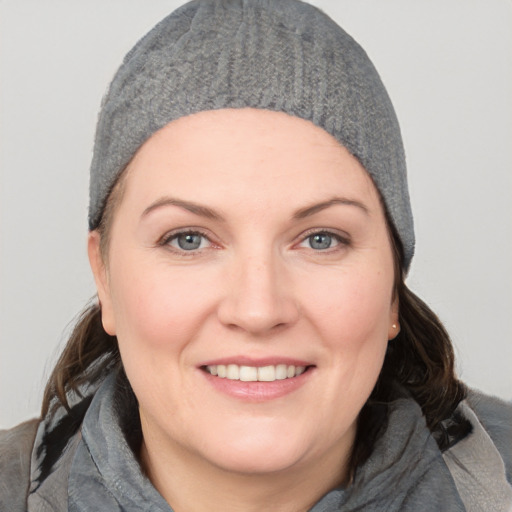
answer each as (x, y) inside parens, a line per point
(254, 345)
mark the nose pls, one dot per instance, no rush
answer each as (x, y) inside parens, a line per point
(259, 296)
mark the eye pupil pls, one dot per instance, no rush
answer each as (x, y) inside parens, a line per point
(189, 241)
(320, 241)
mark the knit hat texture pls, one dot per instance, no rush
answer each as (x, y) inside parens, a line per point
(280, 55)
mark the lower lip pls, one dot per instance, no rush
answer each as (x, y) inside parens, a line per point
(257, 391)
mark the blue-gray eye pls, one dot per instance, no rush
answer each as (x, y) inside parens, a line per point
(188, 241)
(321, 241)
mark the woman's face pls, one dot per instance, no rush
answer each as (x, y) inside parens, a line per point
(249, 282)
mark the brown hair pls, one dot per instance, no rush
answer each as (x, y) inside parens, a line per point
(420, 360)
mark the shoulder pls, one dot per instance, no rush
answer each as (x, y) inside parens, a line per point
(495, 416)
(15, 455)
(481, 463)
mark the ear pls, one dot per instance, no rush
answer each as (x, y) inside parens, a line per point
(394, 325)
(100, 274)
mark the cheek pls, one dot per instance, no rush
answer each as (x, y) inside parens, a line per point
(352, 306)
(159, 315)
(352, 315)
(158, 309)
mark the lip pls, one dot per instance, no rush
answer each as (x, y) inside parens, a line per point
(257, 362)
(256, 391)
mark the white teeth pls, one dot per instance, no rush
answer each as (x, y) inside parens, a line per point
(299, 370)
(248, 373)
(254, 373)
(266, 373)
(281, 371)
(232, 372)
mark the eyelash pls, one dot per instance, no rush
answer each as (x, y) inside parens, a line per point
(342, 240)
(165, 241)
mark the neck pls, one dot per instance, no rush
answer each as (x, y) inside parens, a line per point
(191, 484)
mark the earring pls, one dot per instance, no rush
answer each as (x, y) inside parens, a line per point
(394, 327)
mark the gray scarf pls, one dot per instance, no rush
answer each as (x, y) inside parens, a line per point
(405, 472)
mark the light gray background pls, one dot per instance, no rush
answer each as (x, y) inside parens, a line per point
(448, 67)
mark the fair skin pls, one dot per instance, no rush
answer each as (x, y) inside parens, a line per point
(247, 238)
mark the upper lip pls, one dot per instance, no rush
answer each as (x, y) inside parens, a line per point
(257, 362)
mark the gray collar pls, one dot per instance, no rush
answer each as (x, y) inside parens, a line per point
(405, 472)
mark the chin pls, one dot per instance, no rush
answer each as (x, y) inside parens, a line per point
(258, 450)
(251, 461)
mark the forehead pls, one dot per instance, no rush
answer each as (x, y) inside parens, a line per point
(222, 155)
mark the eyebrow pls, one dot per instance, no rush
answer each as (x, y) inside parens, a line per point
(197, 209)
(318, 207)
(204, 211)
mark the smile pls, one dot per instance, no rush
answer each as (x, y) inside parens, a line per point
(269, 373)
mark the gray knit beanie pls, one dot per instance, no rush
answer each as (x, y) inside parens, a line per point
(281, 55)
